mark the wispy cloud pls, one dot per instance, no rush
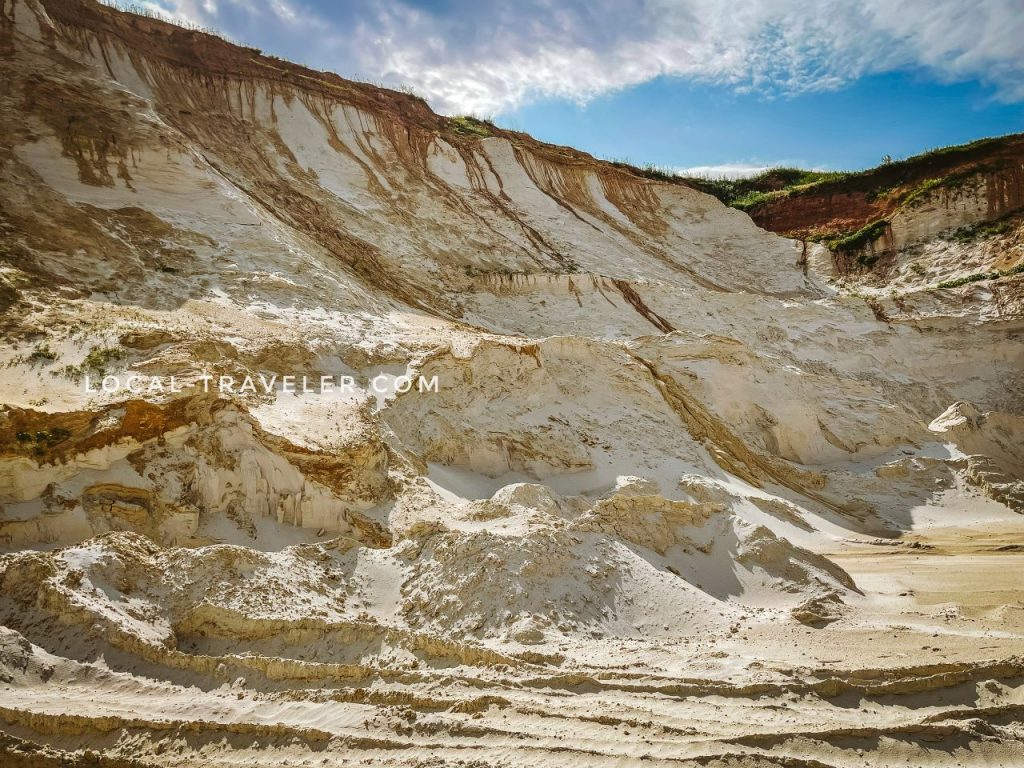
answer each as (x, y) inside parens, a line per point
(468, 56)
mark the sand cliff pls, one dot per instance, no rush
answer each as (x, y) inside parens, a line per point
(686, 491)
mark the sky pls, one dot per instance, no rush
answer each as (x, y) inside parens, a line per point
(714, 87)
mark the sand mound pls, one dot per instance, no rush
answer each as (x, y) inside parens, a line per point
(994, 444)
(715, 549)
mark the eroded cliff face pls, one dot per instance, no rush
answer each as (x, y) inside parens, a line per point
(877, 222)
(663, 447)
(990, 172)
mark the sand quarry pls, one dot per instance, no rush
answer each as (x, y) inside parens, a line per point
(686, 492)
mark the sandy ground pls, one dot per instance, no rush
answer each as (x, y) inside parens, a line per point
(925, 671)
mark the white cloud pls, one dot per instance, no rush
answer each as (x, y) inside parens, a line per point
(486, 58)
(741, 170)
(724, 171)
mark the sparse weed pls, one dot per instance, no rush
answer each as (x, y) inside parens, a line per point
(42, 353)
(95, 362)
(980, 231)
(977, 277)
(150, 13)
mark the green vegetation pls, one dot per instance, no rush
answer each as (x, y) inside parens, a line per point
(923, 189)
(980, 231)
(473, 271)
(979, 276)
(854, 241)
(768, 185)
(468, 125)
(656, 172)
(95, 362)
(875, 183)
(975, 278)
(950, 181)
(42, 353)
(777, 183)
(754, 198)
(879, 194)
(98, 358)
(951, 149)
(648, 170)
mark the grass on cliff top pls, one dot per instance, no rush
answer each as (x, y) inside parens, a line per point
(767, 185)
(739, 193)
(649, 171)
(925, 172)
(150, 12)
(474, 127)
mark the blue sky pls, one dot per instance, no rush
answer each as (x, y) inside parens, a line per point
(674, 123)
(678, 83)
